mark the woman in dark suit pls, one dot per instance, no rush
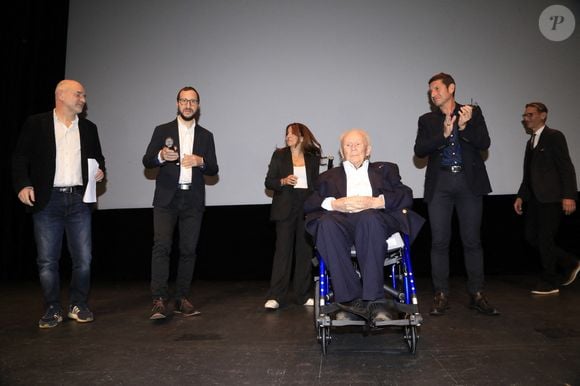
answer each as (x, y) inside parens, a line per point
(292, 172)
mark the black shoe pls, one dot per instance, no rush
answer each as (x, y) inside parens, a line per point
(358, 307)
(545, 288)
(480, 303)
(158, 311)
(379, 312)
(51, 318)
(185, 308)
(572, 274)
(440, 304)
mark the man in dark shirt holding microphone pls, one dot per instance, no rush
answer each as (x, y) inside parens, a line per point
(453, 136)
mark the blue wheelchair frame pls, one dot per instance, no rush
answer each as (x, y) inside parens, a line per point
(400, 294)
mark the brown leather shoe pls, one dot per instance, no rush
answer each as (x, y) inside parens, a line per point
(480, 303)
(185, 308)
(440, 304)
(158, 311)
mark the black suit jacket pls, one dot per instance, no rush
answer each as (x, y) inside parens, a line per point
(168, 176)
(473, 139)
(34, 158)
(385, 179)
(548, 171)
(281, 166)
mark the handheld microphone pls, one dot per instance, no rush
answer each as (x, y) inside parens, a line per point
(169, 143)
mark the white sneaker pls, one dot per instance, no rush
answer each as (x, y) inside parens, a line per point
(272, 305)
(309, 302)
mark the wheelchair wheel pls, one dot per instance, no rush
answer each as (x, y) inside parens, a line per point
(411, 338)
(316, 303)
(324, 338)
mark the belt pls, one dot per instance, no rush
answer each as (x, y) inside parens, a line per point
(184, 186)
(67, 189)
(452, 168)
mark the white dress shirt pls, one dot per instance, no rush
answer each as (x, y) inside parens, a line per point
(68, 170)
(186, 135)
(357, 183)
(537, 136)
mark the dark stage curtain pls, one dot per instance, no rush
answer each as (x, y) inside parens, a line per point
(34, 40)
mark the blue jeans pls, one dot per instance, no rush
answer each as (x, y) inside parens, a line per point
(65, 212)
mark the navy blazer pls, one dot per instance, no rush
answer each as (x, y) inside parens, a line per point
(34, 158)
(168, 177)
(473, 140)
(385, 179)
(281, 166)
(548, 169)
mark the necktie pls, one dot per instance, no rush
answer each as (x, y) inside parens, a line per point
(532, 141)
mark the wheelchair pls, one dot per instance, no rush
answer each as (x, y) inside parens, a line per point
(400, 296)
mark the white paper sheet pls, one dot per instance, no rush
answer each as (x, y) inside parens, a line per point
(91, 191)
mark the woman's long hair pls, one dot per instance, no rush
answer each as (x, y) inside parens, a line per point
(309, 143)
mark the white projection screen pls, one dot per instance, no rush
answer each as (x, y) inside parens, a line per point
(331, 64)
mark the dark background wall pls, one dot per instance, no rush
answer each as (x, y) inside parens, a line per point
(236, 241)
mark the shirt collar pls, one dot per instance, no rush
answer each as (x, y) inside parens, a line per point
(349, 167)
(182, 126)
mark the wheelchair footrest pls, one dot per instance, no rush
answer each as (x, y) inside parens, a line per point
(403, 307)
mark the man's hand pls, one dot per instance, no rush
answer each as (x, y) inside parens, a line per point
(465, 113)
(518, 205)
(568, 206)
(26, 196)
(168, 154)
(99, 175)
(357, 204)
(191, 161)
(448, 125)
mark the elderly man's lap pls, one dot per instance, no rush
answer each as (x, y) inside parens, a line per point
(336, 233)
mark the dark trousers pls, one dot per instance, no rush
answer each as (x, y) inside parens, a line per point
(336, 233)
(182, 212)
(292, 245)
(542, 223)
(453, 192)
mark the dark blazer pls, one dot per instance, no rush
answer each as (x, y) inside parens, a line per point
(473, 139)
(385, 179)
(281, 166)
(168, 176)
(34, 158)
(548, 171)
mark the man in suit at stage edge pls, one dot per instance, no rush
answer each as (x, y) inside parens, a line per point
(184, 152)
(292, 172)
(360, 203)
(453, 136)
(50, 172)
(547, 191)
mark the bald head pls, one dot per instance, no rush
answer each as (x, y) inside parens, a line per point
(69, 97)
(355, 146)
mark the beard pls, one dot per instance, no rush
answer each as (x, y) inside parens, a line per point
(187, 118)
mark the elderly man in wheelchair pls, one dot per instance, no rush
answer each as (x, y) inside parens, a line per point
(360, 203)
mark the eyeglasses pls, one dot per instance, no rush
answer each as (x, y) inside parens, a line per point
(528, 115)
(183, 101)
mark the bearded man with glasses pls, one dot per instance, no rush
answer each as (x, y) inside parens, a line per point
(184, 152)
